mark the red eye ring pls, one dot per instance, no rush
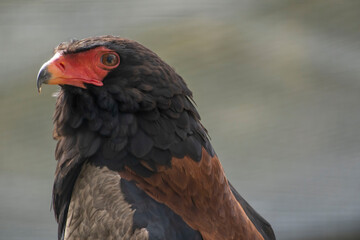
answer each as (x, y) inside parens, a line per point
(110, 59)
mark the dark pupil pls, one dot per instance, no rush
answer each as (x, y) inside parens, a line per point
(110, 59)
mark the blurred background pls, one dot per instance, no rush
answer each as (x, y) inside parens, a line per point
(277, 84)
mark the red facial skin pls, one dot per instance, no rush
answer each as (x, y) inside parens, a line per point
(78, 68)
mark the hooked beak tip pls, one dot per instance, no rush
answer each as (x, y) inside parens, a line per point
(43, 77)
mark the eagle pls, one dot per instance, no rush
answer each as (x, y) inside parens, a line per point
(133, 159)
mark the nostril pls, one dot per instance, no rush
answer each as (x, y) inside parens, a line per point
(62, 66)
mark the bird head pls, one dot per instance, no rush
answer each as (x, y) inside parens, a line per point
(78, 69)
(110, 62)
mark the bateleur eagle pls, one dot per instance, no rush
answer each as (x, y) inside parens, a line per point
(133, 159)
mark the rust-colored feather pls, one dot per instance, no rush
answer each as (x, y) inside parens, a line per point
(200, 194)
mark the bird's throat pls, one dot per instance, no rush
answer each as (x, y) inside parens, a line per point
(199, 192)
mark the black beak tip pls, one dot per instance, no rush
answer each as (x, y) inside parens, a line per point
(43, 77)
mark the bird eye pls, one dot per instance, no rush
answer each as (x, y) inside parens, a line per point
(110, 59)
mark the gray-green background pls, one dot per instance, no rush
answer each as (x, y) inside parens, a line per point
(277, 84)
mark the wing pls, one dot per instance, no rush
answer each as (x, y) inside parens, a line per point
(260, 223)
